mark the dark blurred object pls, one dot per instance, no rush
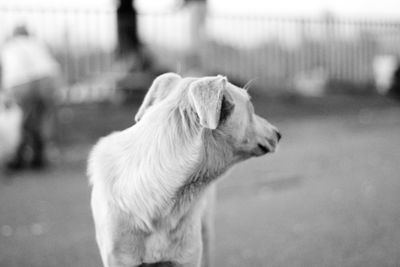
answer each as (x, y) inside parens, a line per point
(130, 48)
(142, 69)
(128, 38)
(134, 85)
(37, 100)
(394, 90)
(20, 30)
(132, 53)
(32, 76)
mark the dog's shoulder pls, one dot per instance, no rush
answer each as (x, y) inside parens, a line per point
(102, 158)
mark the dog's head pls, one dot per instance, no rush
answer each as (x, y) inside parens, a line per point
(219, 107)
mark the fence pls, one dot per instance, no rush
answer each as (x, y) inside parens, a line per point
(82, 39)
(275, 52)
(284, 49)
(278, 52)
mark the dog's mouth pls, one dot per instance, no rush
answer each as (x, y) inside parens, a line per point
(263, 148)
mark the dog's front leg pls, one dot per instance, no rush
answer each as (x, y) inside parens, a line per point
(125, 250)
(195, 262)
(207, 229)
(118, 260)
(119, 256)
(192, 252)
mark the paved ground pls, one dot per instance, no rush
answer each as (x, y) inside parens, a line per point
(330, 197)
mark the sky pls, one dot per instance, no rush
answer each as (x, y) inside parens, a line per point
(103, 32)
(358, 8)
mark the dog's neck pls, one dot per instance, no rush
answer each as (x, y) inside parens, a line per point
(214, 162)
(181, 159)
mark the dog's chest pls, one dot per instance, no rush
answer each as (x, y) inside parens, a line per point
(176, 237)
(158, 247)
(165, 245)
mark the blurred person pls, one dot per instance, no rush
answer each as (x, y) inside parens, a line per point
(394, 90)
(32, 76)
(10, 127)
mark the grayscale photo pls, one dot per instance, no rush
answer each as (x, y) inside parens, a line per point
(199, 133)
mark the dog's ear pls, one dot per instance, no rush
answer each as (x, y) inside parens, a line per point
(159, 90)
(207, 96)
(227, 107)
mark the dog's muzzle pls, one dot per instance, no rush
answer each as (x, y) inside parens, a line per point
(268, 144)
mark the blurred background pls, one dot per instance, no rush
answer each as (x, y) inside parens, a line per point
(325, 72)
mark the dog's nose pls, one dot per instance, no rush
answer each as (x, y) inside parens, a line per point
(278, 135)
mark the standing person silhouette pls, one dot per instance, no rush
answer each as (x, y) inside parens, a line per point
(32, 76)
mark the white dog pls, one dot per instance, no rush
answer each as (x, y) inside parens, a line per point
(153, 182)
(10, 127)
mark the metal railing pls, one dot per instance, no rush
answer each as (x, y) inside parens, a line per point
(272, 51)
(280, 50)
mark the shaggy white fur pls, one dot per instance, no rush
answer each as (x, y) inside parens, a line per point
(153, 181)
